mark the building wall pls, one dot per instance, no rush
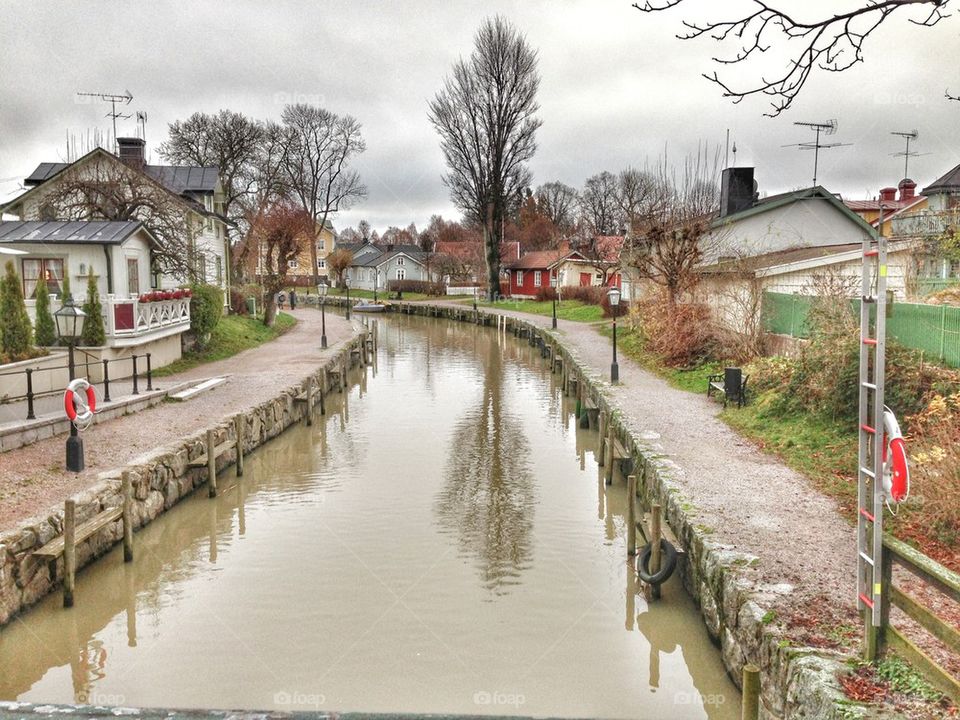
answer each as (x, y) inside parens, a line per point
(523, 283)
(363, 277)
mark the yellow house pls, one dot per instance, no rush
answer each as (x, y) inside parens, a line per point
(301, 265)
(893, 207)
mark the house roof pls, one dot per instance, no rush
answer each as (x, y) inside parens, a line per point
(794, 259)
(537, 260)
(176, 178)
(771, 202)
(383, 256)
(949, 182)
(70, 232)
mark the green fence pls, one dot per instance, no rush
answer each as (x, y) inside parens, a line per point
(934, 329)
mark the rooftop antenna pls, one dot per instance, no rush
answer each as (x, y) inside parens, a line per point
(142, 122)
(734, 153)
(907, 154)
(825, 128)
(114, 99)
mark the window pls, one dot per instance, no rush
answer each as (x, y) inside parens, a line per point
(133, 277)
(401, 274)
(50, 269)
(537, 279)
(293, 264)
(321, 244)
(201, 267)
(218, 264)
(519, 278)
(400, 261)
(322, 264)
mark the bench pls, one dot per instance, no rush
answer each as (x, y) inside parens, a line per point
(731, 384)
(590, 415)
(54, 549)
(616, 452)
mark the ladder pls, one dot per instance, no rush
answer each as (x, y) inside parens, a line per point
(870, 456)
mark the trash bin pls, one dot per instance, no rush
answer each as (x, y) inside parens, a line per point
(251, 306)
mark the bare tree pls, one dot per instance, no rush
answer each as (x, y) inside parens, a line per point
(599, 205)
(318, 148)
(638, 196)
(105, 189)
(559, 203)
(833, 43)
(280, 232)
(485, 116)
(338, 261)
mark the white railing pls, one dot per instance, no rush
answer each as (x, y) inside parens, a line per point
(128, 317)
(925, 223)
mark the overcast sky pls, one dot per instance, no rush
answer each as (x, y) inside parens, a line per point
(617, 87)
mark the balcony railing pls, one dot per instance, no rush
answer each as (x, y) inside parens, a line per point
(128, 317)
(925, 224)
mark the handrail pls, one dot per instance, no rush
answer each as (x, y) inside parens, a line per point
(926, 568)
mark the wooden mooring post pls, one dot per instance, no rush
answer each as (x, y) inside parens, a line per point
(631, 515)
(309, 402)
(211, 463)
(238, 424)
(69, 550)
(656, 535)
(750, 707)
(127, 489)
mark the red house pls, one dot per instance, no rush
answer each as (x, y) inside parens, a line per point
(533, 271)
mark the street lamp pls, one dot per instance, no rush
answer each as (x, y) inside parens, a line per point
(322, 292)
(613, 294)
(553, 284)
(69, 327)
(346, 285)
(376, 278)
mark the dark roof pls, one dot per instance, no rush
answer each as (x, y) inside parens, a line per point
(375, 259)
(949, 182)
(537, 260)
(67, 231)
(176, 178)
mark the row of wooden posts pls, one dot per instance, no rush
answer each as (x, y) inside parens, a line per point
(309, 397)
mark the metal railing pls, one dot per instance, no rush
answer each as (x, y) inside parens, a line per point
(30, 395)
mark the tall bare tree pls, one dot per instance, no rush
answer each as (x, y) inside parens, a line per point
(486, 118)
(319, 146)
(638, 196)
(559, 203)
(599, 205)
(833, 43)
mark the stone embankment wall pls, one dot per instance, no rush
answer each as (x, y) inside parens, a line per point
(159, 480)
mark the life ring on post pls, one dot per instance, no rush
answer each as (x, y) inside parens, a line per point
(896, 471)
(79, 401)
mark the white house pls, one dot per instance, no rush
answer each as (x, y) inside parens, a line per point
(374, 267)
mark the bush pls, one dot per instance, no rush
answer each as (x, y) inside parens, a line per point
(590, 294)
(206, 309)
(45, 331)
(417, 286)
(680, 334)
(622, 310)
(238, 301)
(546, 294)
(15, 328)
(93, 334)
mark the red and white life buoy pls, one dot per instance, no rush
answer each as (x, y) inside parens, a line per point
(79, 401)
(896, 472)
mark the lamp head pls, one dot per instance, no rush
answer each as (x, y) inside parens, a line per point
(69, 319)
(613, 294)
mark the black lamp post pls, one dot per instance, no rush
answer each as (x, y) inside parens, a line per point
(376, 277)
(322, 292)
(69, 327)
(554, 284)
(614, 296)
(346, 285)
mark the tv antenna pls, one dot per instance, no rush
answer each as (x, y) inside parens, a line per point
(907, 154)
(825, 128)
(142, 122)
(114, 99)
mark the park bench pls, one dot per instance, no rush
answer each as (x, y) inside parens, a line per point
(590, 416)
(731, 384)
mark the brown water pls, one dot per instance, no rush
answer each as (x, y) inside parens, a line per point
(440, 542)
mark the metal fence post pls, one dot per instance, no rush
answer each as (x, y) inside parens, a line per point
(149, 374)
(943, 329)
(30, 413)
(136, 388)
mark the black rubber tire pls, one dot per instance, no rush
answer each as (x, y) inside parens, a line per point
(668, 563)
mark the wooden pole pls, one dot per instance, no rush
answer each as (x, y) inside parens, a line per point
(750, 709)
(655, 533)
(309, 403)
(69, 550)
(238, 430)
(323, 392)
(127, 516)
(631, 515)
(211, 464)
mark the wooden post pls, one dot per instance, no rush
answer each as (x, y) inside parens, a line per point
(323, 392)
(211, 463)
(608, 457)
(750, 709)
(238, 430)
(69, 550)
(655, 535)
(631, 515)
(886, 580)
(127, 489)
(309, 403)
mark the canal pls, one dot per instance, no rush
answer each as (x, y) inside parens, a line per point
(441, 541)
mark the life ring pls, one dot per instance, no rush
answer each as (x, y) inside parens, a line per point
(79, 408)
(668, 563)
(896, 471)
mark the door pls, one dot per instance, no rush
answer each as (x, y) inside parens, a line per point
(585, 279)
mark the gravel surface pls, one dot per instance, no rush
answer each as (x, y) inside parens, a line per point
(32, 478)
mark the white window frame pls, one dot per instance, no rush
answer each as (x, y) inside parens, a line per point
(400, 260)
(322, 263)
(537, 278)
(519, 278)
(401, 274)
(293, 264)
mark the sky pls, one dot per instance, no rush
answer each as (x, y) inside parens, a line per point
(617, 88)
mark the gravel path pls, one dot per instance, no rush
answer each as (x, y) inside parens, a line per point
(32, 478)
(750, 500)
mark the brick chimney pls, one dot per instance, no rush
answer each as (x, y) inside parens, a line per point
(131, 151)
(888, 194)
(907, 189)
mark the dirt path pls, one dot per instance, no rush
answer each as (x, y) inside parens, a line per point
(32, 478)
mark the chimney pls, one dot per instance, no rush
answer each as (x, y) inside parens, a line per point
(737, 190)
(907, 189)
(131, 151)
(888, 194)
(389, 247)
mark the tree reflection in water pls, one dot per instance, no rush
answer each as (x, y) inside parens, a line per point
(488, 496)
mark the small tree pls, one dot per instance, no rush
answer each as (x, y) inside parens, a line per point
(45, 331)
(206, 309)
(93, 334)
(15, 330)
(338, 261)
(281, 231)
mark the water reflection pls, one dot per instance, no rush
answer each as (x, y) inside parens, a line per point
(489, 490)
